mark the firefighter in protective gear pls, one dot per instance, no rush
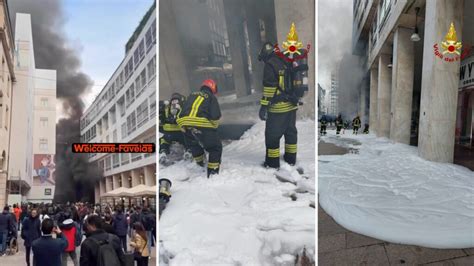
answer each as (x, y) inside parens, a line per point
(366, 128)
(170, 128)
(356, 124)
(339, 124)
(323, 126)
(199, 120)
(284, 83)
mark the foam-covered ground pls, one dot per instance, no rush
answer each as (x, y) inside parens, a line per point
(388, 192)
(243, 216)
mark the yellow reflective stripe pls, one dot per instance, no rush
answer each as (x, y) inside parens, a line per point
(269, 91)
(273, 153)
(163, 190)
(199, 158)
(171, 127)
(282, 83)
(212, 165)
(282, 107)
(290, 148)
(194, 109)
(163, 141)
(197, 122)
(264, 102)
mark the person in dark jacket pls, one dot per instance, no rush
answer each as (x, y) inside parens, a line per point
(121, 227)
(46, 249)
(107, 225)
(7, 227)
(89, 248)
(148, 221)
(199, 119)
(31, 231)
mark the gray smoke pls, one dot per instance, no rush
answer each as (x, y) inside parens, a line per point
(74, 177)
(335, 53)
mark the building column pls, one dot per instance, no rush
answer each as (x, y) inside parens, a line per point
(150, 179)
(403, 72)
(108, 183)
(97, 193)
(383, 96)
(374, 84)
(135, 178)
(124, 176)
(3, 189)
(102, 186)
(115, 181)
(362, 103)
(439, 85)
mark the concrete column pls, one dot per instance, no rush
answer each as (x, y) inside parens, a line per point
(3, 189)
(124, 176)
(97, 193)
(235, 30)
(383, 96)
(402, 85)
(115, 181)
(135, 178)
(150, 179)
(108, 183)
(439, 85)
(102, 186)
(362, 98)
(301, 12)
(374, 85)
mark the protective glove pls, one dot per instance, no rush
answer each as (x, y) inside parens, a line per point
(263, 113)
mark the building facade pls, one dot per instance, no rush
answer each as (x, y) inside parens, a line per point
(125, 112)
(333, 95)
(7, 79)
(415, 92)
(31, 167)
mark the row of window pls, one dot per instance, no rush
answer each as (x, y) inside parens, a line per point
(144, 47)
(116, 160)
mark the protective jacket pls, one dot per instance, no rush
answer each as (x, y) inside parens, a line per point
(200, 110)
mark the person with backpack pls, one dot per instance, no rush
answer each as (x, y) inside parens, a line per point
(46, 249)
(121, 227)
(140, 242)
(7, 227)
(72, 233)
(100, 248)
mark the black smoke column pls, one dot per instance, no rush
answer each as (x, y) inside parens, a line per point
(74, 176)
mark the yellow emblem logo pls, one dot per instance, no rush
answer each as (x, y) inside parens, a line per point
(292, 44)
(451, 44)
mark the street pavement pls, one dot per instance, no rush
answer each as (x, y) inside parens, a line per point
(339, 246)
(19, 258)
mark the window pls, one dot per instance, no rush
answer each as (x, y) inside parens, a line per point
(44, 102)
(151, 68)
(141, 80)
(130, 95)
(108, 163)
(129, 69)
(153, 30)
(131, 123)
(44, 121)
(138, 85)
(152, 106)
(124, 130)
(121, 106)
(143, 77)
(114, 136)
(115, 160)
(141, 50)
(43, 144)
(149, 39)
(125, 158)
(136, 57)
(142, 113)
(136, 157)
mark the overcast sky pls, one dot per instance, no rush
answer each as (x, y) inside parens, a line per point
(99, 29)
(334, 36)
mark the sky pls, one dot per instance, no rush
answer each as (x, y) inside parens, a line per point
(334, 36)
(99, 29)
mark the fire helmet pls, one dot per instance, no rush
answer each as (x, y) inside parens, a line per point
(211, 84)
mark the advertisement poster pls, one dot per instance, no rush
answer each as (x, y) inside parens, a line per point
(44, 167)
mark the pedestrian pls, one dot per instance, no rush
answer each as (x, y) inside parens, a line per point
(121, 227)
(323, 122)
(199, 119)
(139, 243)
(356, 123)
(47, 251)
(7, 227)
(107, 226)
(70, 231)
(149, 223)
(23, 215)
(30, 232)
(17, 212)
(100, 247)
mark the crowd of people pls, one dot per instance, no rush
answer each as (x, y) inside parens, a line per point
(53, 232)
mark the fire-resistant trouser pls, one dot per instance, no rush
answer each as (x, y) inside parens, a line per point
(355, 130)
(170, 137)
(323, 130)
(200, 139)
(279, 124)
(338, 129)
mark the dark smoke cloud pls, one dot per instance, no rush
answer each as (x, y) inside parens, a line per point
(74, 177)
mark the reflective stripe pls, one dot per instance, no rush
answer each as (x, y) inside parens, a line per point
(269, 91)
(213, 165)
(171, 127)
(264, 102)
(282, 83)
(194, 109)
(273, 153)
(282, 107)
(199, 158)
(197, 122)
(163, 141)
(290, 148)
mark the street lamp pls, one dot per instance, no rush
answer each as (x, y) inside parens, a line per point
(415, 37)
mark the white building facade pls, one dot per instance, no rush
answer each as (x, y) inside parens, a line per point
(125, 112)
(31, 166)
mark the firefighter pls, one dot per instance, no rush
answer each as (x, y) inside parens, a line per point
(356, 125)
(170, 128)
(339, 124)
(366, 128)
(199, 120)
(284, 83)
(323, 126)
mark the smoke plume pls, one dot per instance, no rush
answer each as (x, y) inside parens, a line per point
(74, 177)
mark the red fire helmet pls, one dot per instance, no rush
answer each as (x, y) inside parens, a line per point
(211, 84)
